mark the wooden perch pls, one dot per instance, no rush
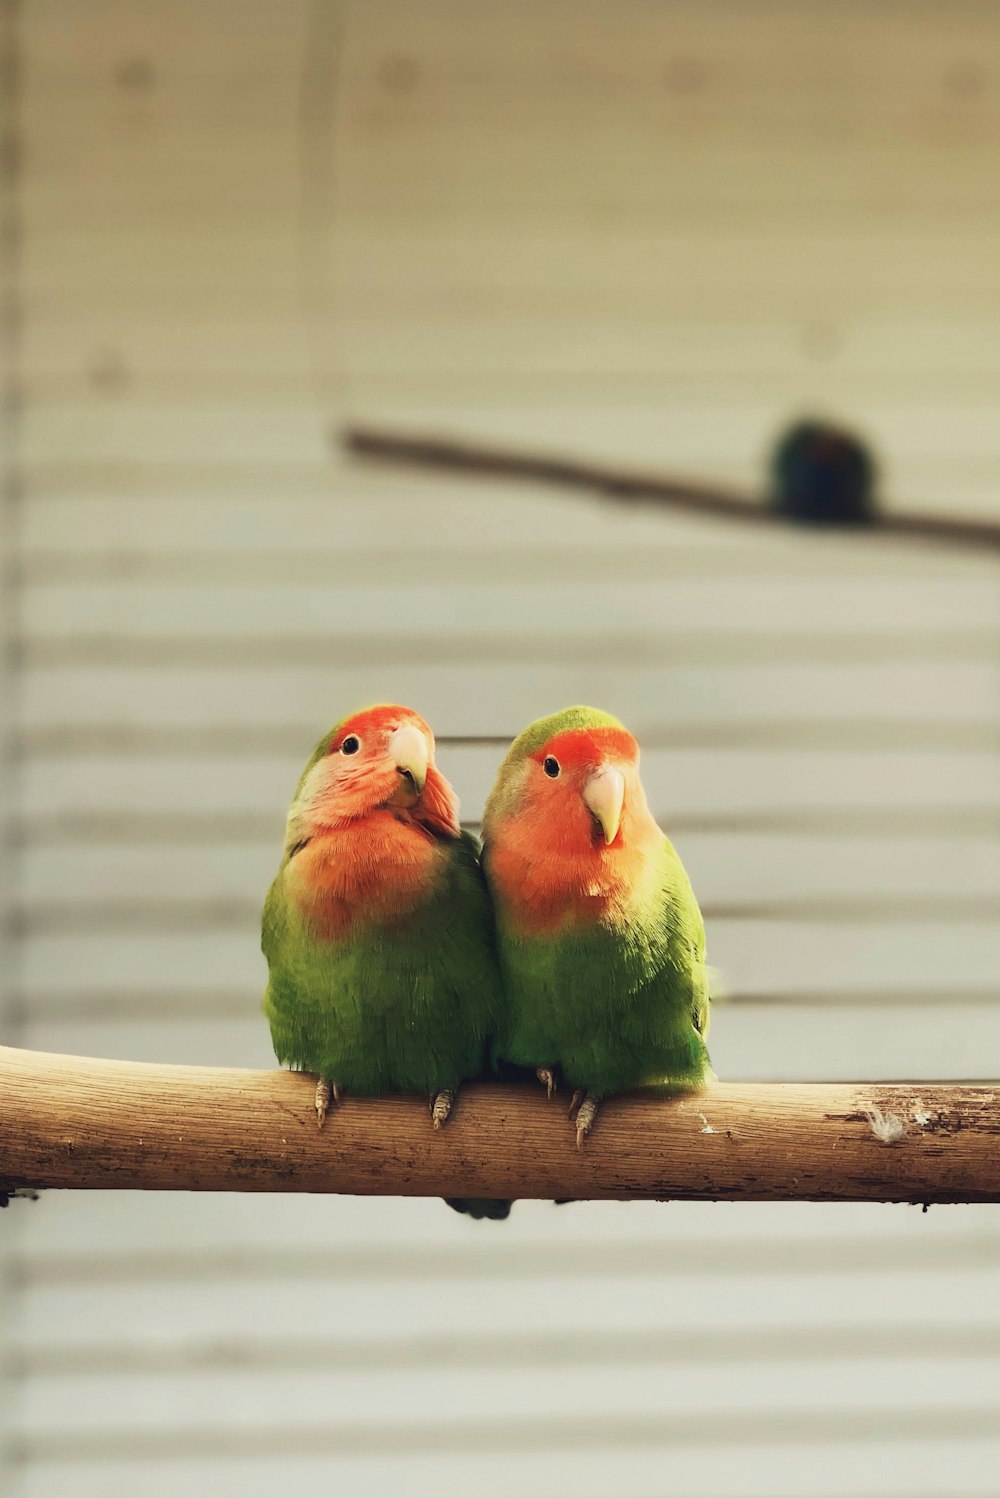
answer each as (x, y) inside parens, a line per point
(448, 454)
(69, 1121)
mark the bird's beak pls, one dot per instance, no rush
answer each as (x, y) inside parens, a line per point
(604, 794)
(409, 752)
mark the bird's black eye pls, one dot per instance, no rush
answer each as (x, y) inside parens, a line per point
(351, 744)
(551, 766)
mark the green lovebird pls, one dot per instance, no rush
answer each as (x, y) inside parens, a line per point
(377, 930)
(599, 935)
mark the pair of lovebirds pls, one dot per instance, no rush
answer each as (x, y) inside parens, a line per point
(402, 957)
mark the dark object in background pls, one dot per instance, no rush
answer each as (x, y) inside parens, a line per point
(479, 1207)
(454, 455)
(16, 1193)
(822, 475)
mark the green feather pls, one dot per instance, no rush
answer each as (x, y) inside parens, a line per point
(538, 733)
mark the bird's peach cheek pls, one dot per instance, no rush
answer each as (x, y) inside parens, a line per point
(359, 791)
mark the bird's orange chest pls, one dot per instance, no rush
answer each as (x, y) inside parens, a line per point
(377, 871)
(547, 885)
(544, 895)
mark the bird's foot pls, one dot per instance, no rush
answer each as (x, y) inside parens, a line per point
(547, 1076)
(325, 1091)
(584, 1108)
(441, 1105)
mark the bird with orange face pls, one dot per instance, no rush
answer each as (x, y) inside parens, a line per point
(377, 929)
(600, 939)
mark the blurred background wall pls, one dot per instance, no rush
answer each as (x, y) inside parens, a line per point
(646, 232)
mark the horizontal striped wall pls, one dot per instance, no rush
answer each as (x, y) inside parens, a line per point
(647, 233)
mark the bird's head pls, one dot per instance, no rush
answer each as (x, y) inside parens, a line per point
(379, 758)
(573, 780)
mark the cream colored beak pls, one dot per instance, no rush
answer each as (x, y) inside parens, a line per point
(410, 754)
(604, 794)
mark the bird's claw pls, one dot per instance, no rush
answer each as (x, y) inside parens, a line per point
(325, 1090)
(575, 1102)
(547, 1076)
(441, 1106)
(586, 1112)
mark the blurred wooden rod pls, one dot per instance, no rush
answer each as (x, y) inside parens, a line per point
(465, 457)
(71, 1121)
(448, 454)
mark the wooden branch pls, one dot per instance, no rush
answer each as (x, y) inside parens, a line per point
(448, 454)
(612, 483)
(68, 1121)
